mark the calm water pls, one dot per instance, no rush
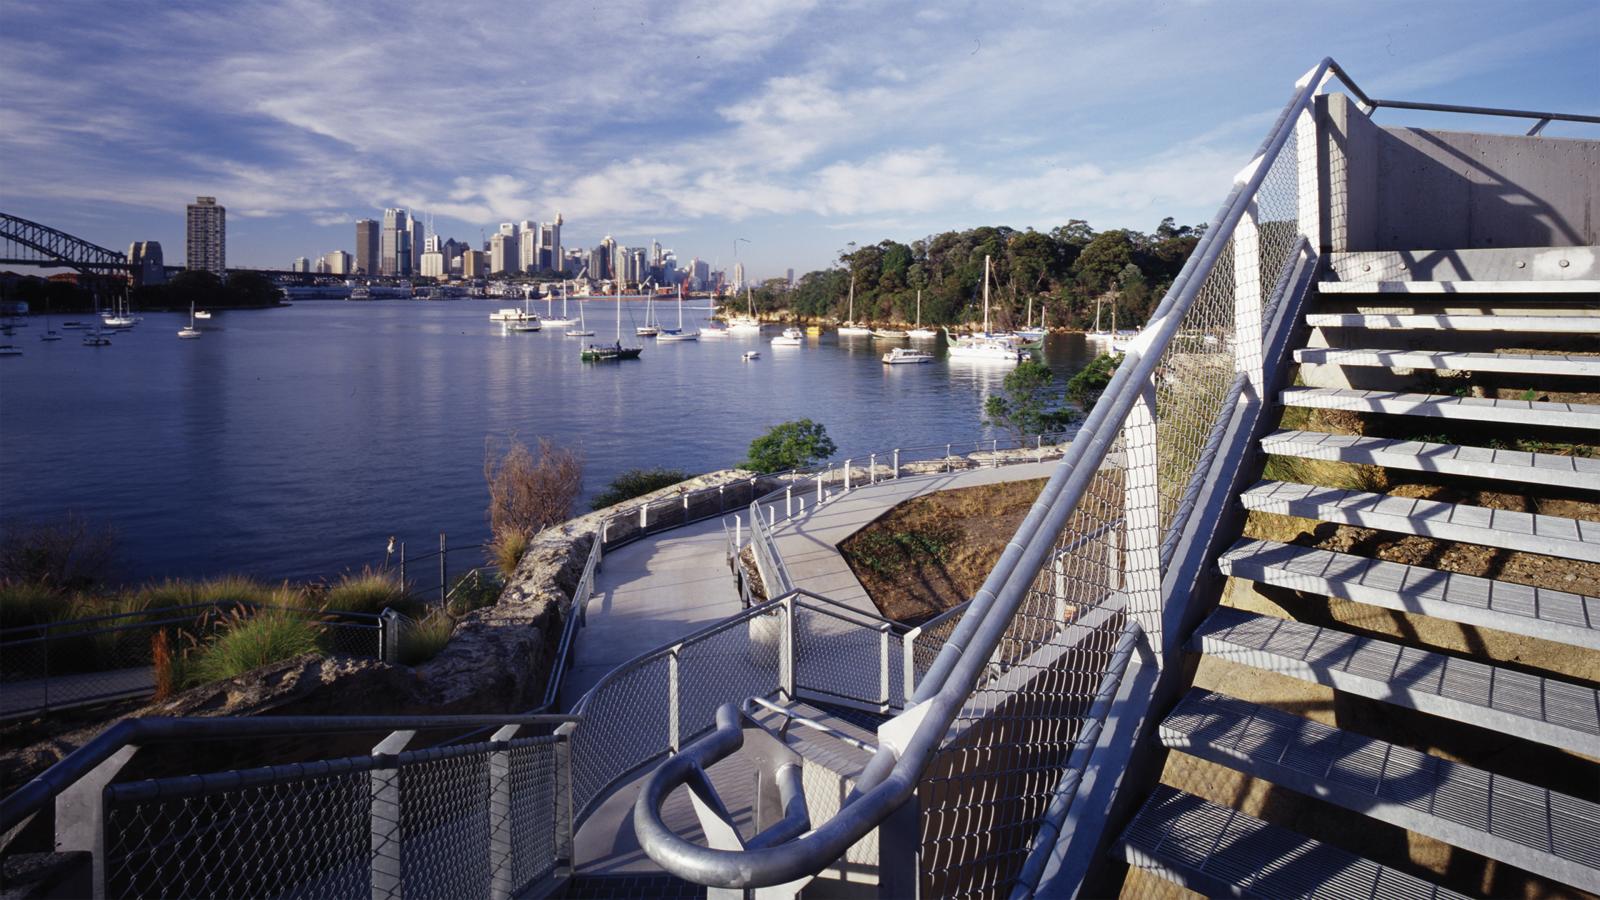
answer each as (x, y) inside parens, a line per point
(291, 443)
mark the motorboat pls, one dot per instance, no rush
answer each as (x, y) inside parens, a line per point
(96, 338)
(50, 336)
(750, 355)
(890, 334)
(900, 356)
(10, 350)
(505, 315)
(202, 314)
(791, 337)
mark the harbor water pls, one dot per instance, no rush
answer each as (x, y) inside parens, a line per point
(292, 443)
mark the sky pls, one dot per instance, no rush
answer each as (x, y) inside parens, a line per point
(778, 130)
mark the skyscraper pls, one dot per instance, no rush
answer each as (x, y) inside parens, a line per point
(528, 246)
(396, 232)
(367, 247)
(301, 264)
(416, 236)
(336, 262)
(738, 276)
(553, 244)
(207, 247)
(502, 253)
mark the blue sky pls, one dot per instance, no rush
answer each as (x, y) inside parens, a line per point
(800, 126)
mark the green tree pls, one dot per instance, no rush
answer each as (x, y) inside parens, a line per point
(1087, 385)
(1100, 262)
(636, 482)
(790, 445)
(1026, 405)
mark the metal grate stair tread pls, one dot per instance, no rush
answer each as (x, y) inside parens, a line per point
(1551, 615)
(1515, 703)
(1518, 466)
(1458, 322)
(1520, 824)
(1222, 852)
(1575, 539)
(1454, 361)
(1523, 286)
(1476, 409)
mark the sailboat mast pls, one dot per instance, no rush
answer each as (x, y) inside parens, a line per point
(986, 293)
(852, 298)
(919, 307)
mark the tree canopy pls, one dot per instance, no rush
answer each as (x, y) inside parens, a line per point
(791, 445)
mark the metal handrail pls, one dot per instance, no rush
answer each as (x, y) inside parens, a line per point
(892, 775)
(44, 787)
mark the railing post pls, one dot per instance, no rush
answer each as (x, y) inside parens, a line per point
(1310, 190)
(644, 516)
(908, 664)
(501, 883)
(1038, 448)
(847, 476)
(897, 464)
(47, 678)
(883, 667)
(389, 624)
(673, 699)
(900, 851)
(402, 565)
(1247, 357)
(738, 533)
(564, 812)
(443, 577)
(384, 818)
(788, 502)
(722, 499)
(789, 679)
(1142, 514)
(81, 815)
(819, 489)
(947, 458)
(872, 468)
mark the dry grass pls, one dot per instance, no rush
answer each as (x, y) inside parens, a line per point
(368, 591)
(422, 638)
(245, 642)
(933, 552)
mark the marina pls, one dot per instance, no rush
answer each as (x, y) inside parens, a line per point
(427, 382)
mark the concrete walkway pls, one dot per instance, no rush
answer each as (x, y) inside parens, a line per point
(650, 593)
(809, 546)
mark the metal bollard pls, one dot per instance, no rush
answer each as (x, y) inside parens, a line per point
(788, 502)
(872, 469)
(897, 464)
(847, 476)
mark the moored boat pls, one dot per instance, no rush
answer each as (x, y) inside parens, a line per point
(900, 356)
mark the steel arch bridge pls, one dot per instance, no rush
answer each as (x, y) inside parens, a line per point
(25, 243)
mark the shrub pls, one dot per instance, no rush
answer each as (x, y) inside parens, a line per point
(70, 554)
(791, 445)
(635, 483)
(224, 589)
(529, 493)
(370, 591)
(1025, 404)
(422, 638)
(1086, 386)
(245, 642)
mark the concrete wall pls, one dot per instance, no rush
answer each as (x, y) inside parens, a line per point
(1416, 189)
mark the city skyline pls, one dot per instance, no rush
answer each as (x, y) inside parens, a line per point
(798, 127)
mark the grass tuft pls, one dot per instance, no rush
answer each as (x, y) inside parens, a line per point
(1325, 472)
(506, 550)
(25, 603)
(369, 591)
(421, 639)
(246, 642)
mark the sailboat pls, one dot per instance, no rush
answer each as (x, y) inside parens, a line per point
(850, 328)
(96, 338)
(748, 323)
(650, 328)
(549, 309)
(529, 321)
(919, 333)
(189, 332)
(986, 346)
(50, 334)
(678, 334)
(1029, 332)
(614, 353)
(121, 317)
(583, 329)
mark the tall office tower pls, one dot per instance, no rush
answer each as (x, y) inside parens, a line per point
(416, 239)
(702, 274)
(144, 263)
(302, 264)
(738, 276)
(553, 244)
(620, 257)
(208, 237)
(431, 264)
(597, 263)
(472, 264)
(337, 262)
(655, 253)
(639, 266)
(788, 277)
(528, 246)
(502, 254)
(608, 254)
(432, 244)
(395, 227)
(367, 247)
(509, 229)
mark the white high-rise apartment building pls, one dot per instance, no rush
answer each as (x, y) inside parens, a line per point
(432, 265)
(738, 276)
(338, 262)
(503, 253)
(528, 246)
(207, 246)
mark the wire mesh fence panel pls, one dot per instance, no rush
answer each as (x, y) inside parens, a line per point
(928, 639)
(535, 809)
(739, 660)
(288, 831)
(983, 797)
(626, 724)
(444, 822)
(353, 639)
(838, 658)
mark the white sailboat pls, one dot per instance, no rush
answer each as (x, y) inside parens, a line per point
(849, 328)
(549, 309)
(529, 321)
(189, 332)
(986, 347)
(1028, 331)
(651, 327)
(583, 329)
(919, 333)
(678, 334)
(748, 323)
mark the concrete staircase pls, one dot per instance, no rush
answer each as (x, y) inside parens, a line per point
(1429, 720)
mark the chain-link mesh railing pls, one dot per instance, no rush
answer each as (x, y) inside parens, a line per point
(847, 657)
(469, 820)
